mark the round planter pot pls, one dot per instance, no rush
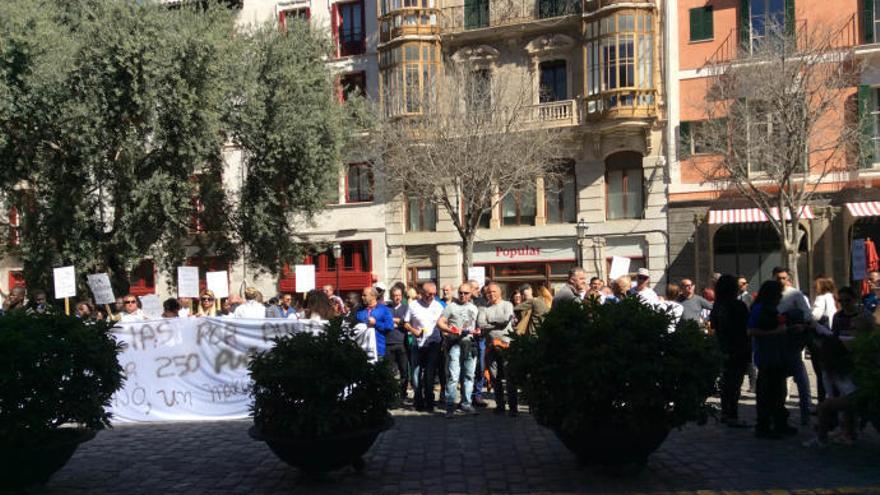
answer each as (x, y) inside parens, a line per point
(614, 447)
(320, 455)
(23, 466)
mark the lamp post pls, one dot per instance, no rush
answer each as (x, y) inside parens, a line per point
(582, 228)
(337, 253)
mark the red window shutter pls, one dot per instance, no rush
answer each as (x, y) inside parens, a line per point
(282, 21)
(335, 22)
(308, 13)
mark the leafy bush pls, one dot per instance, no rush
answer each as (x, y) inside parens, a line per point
(317, 385)
(867, 374)
(54, 369)
(615, 366)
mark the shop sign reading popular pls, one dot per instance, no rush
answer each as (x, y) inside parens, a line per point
(500, 252)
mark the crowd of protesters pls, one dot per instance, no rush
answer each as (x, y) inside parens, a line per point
(458, 337)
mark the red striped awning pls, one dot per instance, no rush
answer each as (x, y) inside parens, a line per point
(751, 215)
(864, 209)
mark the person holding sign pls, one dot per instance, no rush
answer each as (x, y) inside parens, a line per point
(130, 310)
(206, 304)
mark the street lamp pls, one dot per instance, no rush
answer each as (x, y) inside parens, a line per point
(582, 228)
(337, 253)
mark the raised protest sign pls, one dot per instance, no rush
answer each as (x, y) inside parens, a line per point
(187, 281)
(65, 282)
(218, 283)
(477, 273)
(196, 368)
(151, 306)
(305, 278)
(99, 283)
(619, 267)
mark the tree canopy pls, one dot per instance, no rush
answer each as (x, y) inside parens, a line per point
(114, 119)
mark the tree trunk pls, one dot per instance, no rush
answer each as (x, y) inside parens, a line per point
(467, 251)
(791, 257)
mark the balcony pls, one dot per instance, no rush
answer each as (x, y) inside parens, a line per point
(408, 21)
(621, 103)
(552, 114)
(482, 14)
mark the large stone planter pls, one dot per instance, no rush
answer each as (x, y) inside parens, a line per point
(314, 456)
(611, 446)
(23, 466)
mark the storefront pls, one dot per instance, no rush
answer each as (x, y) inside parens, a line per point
(539, 262)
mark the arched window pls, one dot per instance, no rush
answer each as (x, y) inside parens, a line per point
(624, 186)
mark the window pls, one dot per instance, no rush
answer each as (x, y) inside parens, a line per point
(560, 198)
(143, 279)
(701, 23)
(519, 208)
(693, 139)
(620, 56)
(763, 137)
(556, 8)
(407, 76)
(287, 17)
(869, 125)
(476, 14)
(624, 192)
(354, 84)
(16, 279)
(421, 215)
(349, 28)
(870, 21)
(356, 256)
(479, 91)
(359, 183)
(553, 85)
(763, 17)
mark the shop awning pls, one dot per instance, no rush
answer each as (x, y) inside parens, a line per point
(751, 215)
(864, 209)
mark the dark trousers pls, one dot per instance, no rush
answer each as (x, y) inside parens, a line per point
(771, 391)
(441, 368)
(731, 386)
(425, 360)
(396, 357)
(821, 393)
(496, 361)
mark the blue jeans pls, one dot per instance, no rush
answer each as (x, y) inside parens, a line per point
(426, 358)
(799, 373)
(459, 364)
(480, 380)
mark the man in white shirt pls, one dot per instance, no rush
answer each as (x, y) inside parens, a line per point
(251, 308)
(643, 287)
(421, 321)
(130, 310)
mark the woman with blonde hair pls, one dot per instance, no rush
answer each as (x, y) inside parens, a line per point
(206, 304)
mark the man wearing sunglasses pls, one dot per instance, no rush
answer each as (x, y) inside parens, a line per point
(457, 324)
(130, 310)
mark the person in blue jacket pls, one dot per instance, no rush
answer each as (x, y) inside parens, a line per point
(376, 316)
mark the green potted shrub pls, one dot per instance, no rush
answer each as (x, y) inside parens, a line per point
(610, 379)
(57, 375)
(319, 404)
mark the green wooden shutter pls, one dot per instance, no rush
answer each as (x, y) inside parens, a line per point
(708, 28)
(684, 139)
(868, 21)
(866, 146)
(745, 26)
(696, 28)
(789, 17)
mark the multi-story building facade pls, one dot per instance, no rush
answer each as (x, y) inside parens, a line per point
(595, 70)
(715, 230)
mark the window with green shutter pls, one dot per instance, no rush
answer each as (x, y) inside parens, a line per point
(701, 23)
(685, 140)
(868, 126)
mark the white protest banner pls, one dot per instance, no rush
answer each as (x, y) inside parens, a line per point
(619, 267)
(65, 282)
(99, 283)
(196, 368)
(187, 281)
(477, 273)
(218, 283)
(305, 278)
(859, 262)
(151, 306)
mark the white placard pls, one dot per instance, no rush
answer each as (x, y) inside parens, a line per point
(99, 283)
(151, 306)
(619, 267)
(195, 369)
(65, 282)
(859, 263)
(477, 273)
(305, 278)
(187, 281)
(218, 283)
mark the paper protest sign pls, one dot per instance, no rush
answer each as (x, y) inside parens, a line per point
(65, 282)
(218, 283)
(99, 283)
(477, 273)
(151, 306)
(619, 267)
(859, 262)
(187, 281)
(305, 278)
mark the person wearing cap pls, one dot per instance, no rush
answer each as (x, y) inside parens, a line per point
(380, 290)
(575, 289)
(252, 307)
(643, 287)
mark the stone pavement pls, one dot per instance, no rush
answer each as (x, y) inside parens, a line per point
(425, 453)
